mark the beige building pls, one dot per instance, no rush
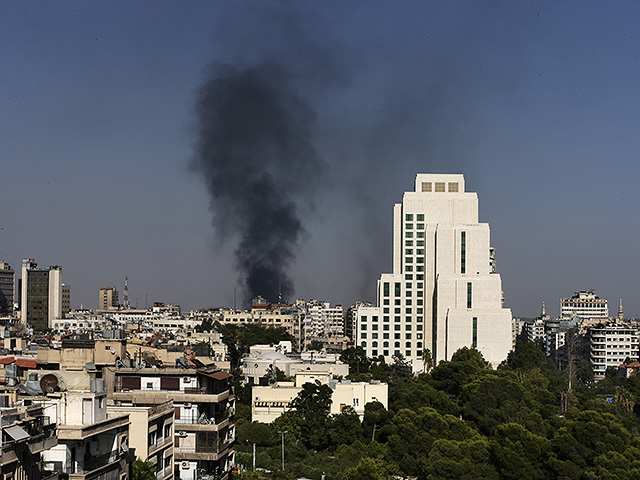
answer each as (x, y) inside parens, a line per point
(268, 403)
(90, 444)
(288, 317)
(203, 402)
(150, 435)
(108, 299)
(76, 354)
(26, 433)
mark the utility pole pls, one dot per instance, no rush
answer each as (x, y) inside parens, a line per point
(283, 433)
(254, 457)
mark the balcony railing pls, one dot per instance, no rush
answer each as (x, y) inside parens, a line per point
(202, 419)
(93, 463)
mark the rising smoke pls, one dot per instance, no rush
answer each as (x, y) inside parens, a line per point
(255, 152)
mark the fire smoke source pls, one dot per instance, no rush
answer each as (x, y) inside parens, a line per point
(255, 153)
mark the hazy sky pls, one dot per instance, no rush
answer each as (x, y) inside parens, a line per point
(537, 103)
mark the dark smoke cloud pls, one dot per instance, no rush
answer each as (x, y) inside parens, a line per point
(255, 152)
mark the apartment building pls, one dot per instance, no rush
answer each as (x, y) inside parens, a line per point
(204, 404)
(91, 445)
(151, 435)
(611, 344)
(26, 433)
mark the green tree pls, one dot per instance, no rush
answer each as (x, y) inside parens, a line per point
(459, 460)
(315, 345)
(141, 470)
(375, 417)
(357, 360)
(370, 469)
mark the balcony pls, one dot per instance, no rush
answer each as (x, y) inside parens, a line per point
(188, 395)
(92, 463)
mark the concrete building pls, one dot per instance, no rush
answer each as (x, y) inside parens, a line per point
(150, 435)
(204, 404)
(66, 299)
(586, 305)
(108, 299)
(269, 402)
(40, 294)
(443, 293)
(611, 344)
(288, 317)
(7, 288)
(322, 320)
(90, 445)
(26, 433)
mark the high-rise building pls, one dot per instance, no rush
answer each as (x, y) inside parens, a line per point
(40, 294)
(443, 293)
(585, 304)
(7, 288)
(108, 299)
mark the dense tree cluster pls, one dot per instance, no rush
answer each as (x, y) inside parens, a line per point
(461, 420)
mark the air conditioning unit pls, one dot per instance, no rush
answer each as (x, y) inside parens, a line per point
(187, 405)
(182, 434)
(184, 465)
(186, 379)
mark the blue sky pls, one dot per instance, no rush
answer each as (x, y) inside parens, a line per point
(535, 102)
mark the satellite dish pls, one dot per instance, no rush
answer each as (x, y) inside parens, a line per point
(48, 383)
(113, 351)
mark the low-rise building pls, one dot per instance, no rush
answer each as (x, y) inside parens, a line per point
(269, 402)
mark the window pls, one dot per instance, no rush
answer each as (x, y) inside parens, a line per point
(408, 276)
(407, 336)
(408, 243)
(439, 187)
(420, 234)
(385, 336)
(408, 217)
(408, 251)
(363, 335)
(386, 289)
(374, 326)
(374, 335)
(409, 234)
(474, 340)
(364, 326)
(397, 290)
(396, 327)
(469, 291)
(426, 186)
(453, 186)
(420, 277)
(407, 353)
(408, 260)
(374, 318)
(385, 326)
(463, 252)
(420, 226)
(420, 217)
(385, 310)
(420, 243)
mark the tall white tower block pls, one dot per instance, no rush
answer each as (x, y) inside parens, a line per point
(443, 293)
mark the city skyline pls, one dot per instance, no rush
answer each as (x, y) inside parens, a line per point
(534, 104)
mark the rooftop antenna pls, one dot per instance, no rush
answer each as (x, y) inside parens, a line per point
(279, 293)
(126, 293)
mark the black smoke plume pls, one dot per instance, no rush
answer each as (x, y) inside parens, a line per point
(254, 149)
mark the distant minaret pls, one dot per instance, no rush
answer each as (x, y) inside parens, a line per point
(126, 294)
(620, 312)
(544, 310)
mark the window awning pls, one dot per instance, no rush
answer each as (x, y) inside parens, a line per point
(17, 433)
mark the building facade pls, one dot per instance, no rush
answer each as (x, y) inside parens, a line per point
(584, 304)
(611, 345)
(40, 294)
(7, 288)
(108, 299)
(443, 293)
